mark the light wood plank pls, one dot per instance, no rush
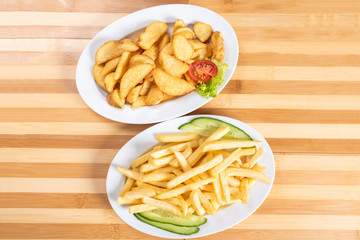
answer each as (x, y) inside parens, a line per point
(53, 185)
(108, 216)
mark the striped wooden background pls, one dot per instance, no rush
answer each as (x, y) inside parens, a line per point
(297, 82)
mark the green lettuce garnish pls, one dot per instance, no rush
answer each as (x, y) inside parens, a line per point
(209, 89)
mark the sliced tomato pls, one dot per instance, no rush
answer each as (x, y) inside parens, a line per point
(202, 70)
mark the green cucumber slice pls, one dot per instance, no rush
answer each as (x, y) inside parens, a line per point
(169, 227)
(162, 216)
(205, 126)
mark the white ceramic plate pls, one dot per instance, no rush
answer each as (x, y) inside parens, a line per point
(95, 97)
(221, 220)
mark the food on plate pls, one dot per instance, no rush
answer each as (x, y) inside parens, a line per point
(183, 62)
(174, 184)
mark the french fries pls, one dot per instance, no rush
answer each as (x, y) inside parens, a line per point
(117, 62)
(186, 176)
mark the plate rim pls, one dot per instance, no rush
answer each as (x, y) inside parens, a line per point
(204, 100)
(190, 117)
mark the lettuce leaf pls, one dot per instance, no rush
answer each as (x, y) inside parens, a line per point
(209, 89)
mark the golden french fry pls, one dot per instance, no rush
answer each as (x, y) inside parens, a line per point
(162, 160)
(124, 201)
(113, 99)
(244, 191)
(194, 171)
(166, 83)
(256, 157)
(169, 150)
(152, 52)
(229, 144)
(225, 187)
(180, 190)
(196, 155)
(168, 169)
(249, 173)
(110, 82)
(174, 201)
(110, 66)
(154, 177)
(178, 24)
(202, 31)
(174, 163)
(162, 205)
(233, 190)
(99, 79)
(227, 162)
(134, 94)
(195, 201)
(205, 202)
(147, 167)
(130, 174)
(182, 161)
(140, 59)
(122, 65)
(163, 40)
(177, 137)
(158, 190)
(158, 183)
(136, 194)
(141, 208)
(128, 185)
(217, 42)
(218, 191)
(233, 182)
(113, 49)
(132, 77)
(172, 65)
(154, 96)
(184, 206)
(183, 50)
(140, 160)
(259, 168)
(152, 33)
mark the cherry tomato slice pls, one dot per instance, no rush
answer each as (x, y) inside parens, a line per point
(202, 70)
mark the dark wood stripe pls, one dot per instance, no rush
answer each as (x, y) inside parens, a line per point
(84, 5)
(123, 231)
(277, 59)
(233, 87)
(54, 200)
(54, 170)
(100, 201)
(297, 33)
(245, 115)
(111, 141)
(70, 231)
(292, 87)
(57, 32)
(302, 177)
(39, 58)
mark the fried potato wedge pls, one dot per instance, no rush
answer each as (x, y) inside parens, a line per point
(163, 40)
(182, 48)
(113, 49)
(134, 94)
(152, 33)
(140, 102)
(154, 96)
(99, 79)
(217, 43)
(122, 65)
(145, 87)
(172, 65)
(132, 77)
(196, 44)
(113, 99)
(202, 31)
(168, 49)
(152, 52)
(172, 85)
(140, 59)
(206, 52)
(184, 31)
(110, 82)
(110, 66)
(179, 23)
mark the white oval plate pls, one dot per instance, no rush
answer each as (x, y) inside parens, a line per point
(221, 220)
(95, 97)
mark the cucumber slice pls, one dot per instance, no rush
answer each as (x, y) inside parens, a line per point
(162, 216)
(205, 126)
(169, 227)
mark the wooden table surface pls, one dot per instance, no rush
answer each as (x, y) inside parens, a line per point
(297, 82)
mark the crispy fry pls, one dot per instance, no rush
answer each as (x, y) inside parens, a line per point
(170, 150)
(182, 161)
(195, 201)
(110, 66)
(203, 31)
(247, 173)
(124, 201)
(129, 173)
(122, 65)
(225, 187)
(205, 202)
(163, 40)
(256, 157)
(162, 204)
(152, 33)
(113, 49)
(151, 177)
(229, 144)
(162, 160)
(128, 185)
(136, 194)
(141, 208)
(177, 137)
